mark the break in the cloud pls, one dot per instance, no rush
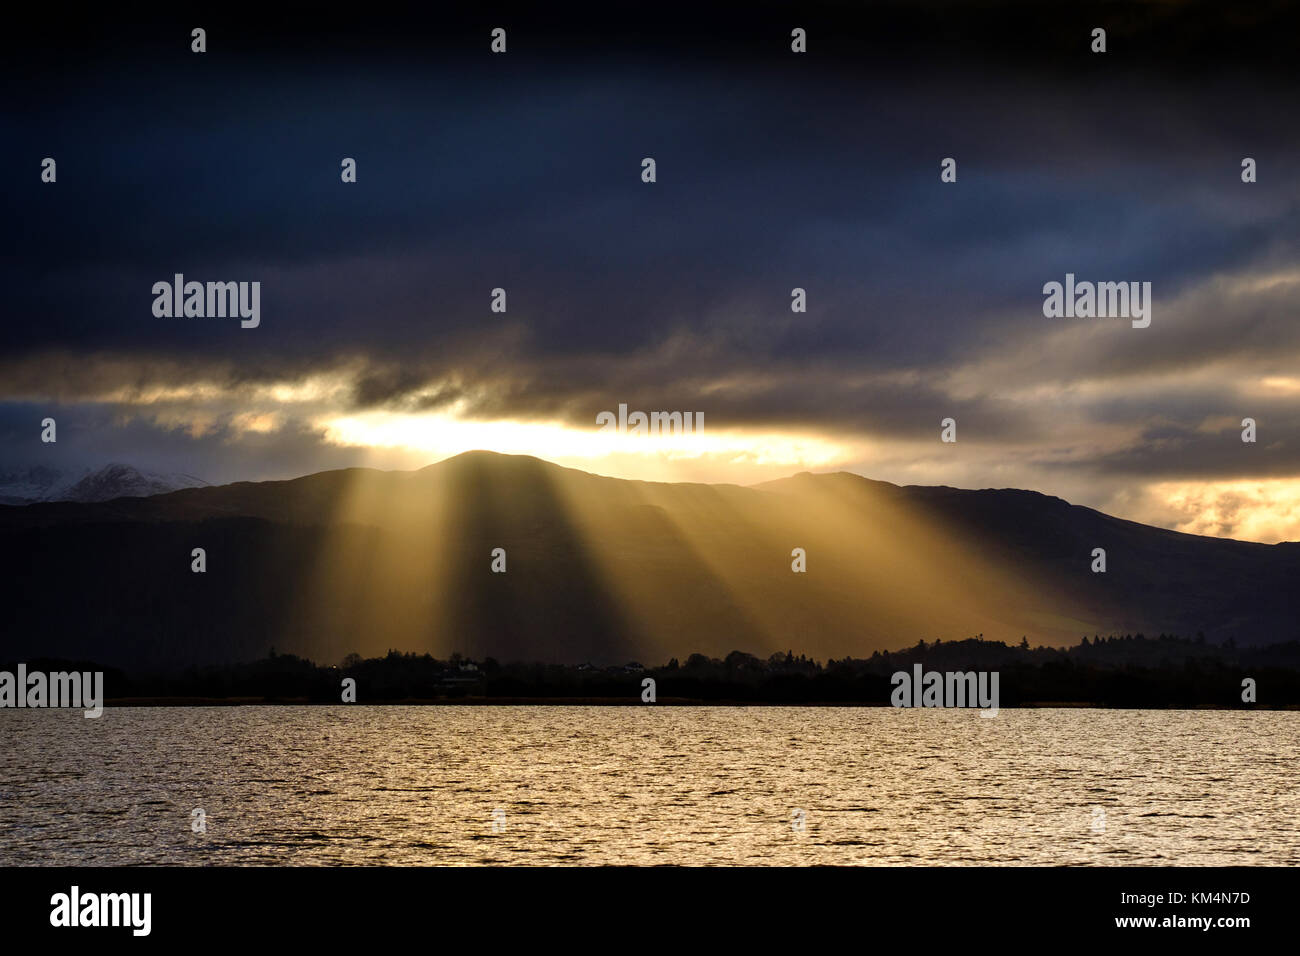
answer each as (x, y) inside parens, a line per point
(377, 345)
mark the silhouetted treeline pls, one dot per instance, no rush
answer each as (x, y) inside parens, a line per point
(1126, 671)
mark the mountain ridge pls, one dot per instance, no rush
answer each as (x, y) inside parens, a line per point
(42, 483)
(768, 485)
(601, 568)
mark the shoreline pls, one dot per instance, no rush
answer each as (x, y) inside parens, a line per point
(616, 702)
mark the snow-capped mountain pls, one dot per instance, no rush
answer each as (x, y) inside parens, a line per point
(38, 483)
(41, 483)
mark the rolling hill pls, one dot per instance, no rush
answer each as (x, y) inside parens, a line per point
(604, 569)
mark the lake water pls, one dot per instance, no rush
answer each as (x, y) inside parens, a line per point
(648, 785)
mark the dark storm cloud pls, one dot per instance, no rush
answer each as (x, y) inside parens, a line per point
(774, 172)
(765, 182)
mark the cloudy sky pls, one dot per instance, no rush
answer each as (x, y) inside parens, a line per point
(377, 344)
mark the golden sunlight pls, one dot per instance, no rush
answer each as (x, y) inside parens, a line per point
(721, 455)
(1266, 510)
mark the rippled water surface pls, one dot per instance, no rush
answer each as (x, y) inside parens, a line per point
(686, 785)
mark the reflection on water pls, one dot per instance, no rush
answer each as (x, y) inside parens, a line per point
(421, 785)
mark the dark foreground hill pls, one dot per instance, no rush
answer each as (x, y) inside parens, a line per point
(603, 569)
